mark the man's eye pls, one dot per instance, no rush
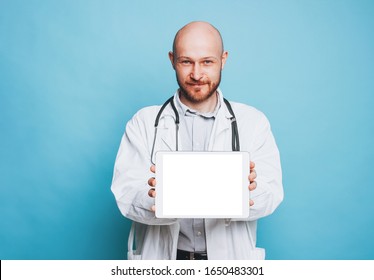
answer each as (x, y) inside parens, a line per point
(186, 62)
(207, 62)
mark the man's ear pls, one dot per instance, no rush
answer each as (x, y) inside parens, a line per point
(171, 57)
(223, 59)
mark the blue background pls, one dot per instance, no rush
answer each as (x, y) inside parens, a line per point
(72, 73)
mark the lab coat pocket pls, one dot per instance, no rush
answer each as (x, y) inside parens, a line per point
(255, 253)
(131, 253)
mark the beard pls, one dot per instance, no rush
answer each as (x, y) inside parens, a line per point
(197, 95)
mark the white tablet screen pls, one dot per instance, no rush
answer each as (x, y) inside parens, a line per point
(202, 184)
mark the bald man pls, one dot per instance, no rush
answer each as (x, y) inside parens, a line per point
(198, 57)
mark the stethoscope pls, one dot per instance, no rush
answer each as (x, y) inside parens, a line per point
(234, 125)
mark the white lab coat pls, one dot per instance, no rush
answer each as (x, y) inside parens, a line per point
(157, 238)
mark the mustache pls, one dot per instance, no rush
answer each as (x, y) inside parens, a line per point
(192, 83)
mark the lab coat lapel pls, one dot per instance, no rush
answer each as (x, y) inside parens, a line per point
(167, 131)
(220, 139)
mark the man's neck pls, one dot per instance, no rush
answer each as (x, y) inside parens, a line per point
(206, 106)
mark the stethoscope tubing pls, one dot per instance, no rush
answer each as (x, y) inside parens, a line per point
(234, 126)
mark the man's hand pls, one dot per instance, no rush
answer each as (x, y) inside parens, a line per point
(252, 176)
(152, 184)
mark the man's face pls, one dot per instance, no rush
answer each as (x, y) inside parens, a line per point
(198, 61)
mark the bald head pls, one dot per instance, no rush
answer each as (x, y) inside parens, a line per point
(198, 32)
(198, 58)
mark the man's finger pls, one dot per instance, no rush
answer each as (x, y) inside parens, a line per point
(152, 182)
(152, 193)
(252, 186)
(153, 168)
(252, 176)
(251, 165)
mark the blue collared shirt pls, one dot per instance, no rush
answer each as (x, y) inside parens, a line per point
(195, 131)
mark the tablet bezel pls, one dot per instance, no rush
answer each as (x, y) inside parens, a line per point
(163, 209)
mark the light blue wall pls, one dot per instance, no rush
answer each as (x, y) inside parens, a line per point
(72, 73)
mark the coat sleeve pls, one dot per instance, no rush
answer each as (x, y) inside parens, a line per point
(131, 173)
(264, 153)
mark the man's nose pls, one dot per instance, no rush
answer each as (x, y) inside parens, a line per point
(197, 72)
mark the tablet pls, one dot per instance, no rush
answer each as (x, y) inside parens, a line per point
(202, 184)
